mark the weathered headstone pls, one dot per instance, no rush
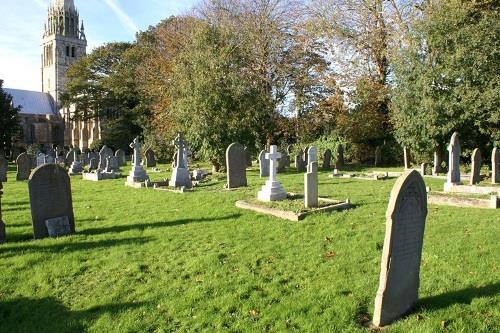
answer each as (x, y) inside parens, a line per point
(150, 158)
(3, 236)
(180, 173)
(339, 159)
(378, 156)
(475, 177)
(401, 255)
(104, 153)
(40, 159)
(406, 153)
(3, 168)
(76, 167)
(50, 198)
(23, 163)
(282, 162)
(438, 160)
(236, 165)
(112, 164)
(137, 173)
(327, 159)
(263, 165)
(495, 166)
(311, 179)
(272, 190)
(299, 161)
(120, 154)
(453, 177)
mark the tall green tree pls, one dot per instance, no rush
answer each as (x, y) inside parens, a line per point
(9, 120)
(447, 78)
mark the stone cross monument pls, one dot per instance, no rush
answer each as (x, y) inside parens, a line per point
(453, 177)
(272, 190)
(180, 173)
(137, 174)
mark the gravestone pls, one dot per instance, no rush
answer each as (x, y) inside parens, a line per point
(311, 179)
(23, 163)
(236, 165)
(180, 173)
(120, 154)
(272, 190)
(70, 157)
(76, 167)
(401, 255)
(423, 168)
(453, 177)
(475, 177)
(40, 159)
(137, 173)
(49, 160)
(406, 153)
(263, 165)
(305, 157)
(299, 161)
(248, 157)
(51, 202)
(3, 168)
(104, 153)
(378, 156)
(3, 236)
(327, 159)
(339, 159)
(495, 166)
(438, 160)
(93, 164)
(282, 162)
(150, 158)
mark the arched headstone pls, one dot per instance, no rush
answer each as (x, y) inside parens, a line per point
(236, 163)
(454, 160)
(23, 163)
(475, 176)
(263, 164)
(401, 255)
(327, 159)
(150, 158)
(104, 153)
(51, 202)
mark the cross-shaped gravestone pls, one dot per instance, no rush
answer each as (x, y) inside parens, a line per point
(273, 157)
(136, 146)
(137, 173)
(181, 146)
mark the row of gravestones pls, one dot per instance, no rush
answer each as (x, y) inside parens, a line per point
(52, 215)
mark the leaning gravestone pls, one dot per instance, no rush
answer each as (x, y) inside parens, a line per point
(236, 164)
(51, 202)
(104, 153)
(263, 165)
(150, 160)
(3, 168)
(327, 159)
(495, 167)
(120, 154)
(475, 177)
(23, 163)
(402, 251)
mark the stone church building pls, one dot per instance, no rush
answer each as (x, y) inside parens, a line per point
(43, 119)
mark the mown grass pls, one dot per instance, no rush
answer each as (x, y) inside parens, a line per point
(153, 261)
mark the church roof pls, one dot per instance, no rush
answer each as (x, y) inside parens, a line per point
(32, 102)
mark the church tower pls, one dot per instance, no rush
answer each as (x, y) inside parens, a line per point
(64, 42)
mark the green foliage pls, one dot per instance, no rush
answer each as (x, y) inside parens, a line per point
(9, 120)
(96, 145)
(447, 78)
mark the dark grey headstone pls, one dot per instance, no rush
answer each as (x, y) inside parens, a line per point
(327, 159)
(263, 164)
(236, 163)
(58, 226)
(23, 163)
(104, 153)
(475, 177)
(401, 255)
(120, 154)
(339, 159)
(50, 197)
(3, 168)
(150, 158)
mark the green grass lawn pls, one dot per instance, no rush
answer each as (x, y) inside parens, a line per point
(155, 261)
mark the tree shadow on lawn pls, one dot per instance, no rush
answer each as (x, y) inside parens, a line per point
(464, 296)
(142, 226)
(71, 247)
(49, 315)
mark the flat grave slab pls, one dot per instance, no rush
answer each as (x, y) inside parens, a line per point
(462, 200)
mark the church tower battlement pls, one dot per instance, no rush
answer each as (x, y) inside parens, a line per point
(63, 43)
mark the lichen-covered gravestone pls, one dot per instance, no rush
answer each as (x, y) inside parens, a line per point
(263, 165)
(236, 163)
(327, 159)
(475, 176)
(495, 166)
(120, 154)
(402, 251)
(23, 163)
(3, 168)
(150, 158)
(51, 202)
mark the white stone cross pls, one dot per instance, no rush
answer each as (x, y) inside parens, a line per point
(273, 157)
(136, 145)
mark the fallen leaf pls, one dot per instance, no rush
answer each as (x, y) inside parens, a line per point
(330, 254)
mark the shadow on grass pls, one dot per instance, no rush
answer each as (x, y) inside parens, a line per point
(17, 203)
(464, 296)
(71, 247)
(142, 226)
(49, 315)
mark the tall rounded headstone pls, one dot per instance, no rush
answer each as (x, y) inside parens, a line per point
(454, 152)
(51, 202)
(236, 163)
(263, 164)
(401, 255)
(23, 163)
(3, 168)
(475, 176)
(495, 166)
(150, 158)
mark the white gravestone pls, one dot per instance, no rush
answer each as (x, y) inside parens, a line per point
(137, 174)
(453, 177)
(272, 190)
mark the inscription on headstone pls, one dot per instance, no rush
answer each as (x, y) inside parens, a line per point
(58, 226)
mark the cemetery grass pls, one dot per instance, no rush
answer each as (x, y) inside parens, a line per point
(155, 261)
